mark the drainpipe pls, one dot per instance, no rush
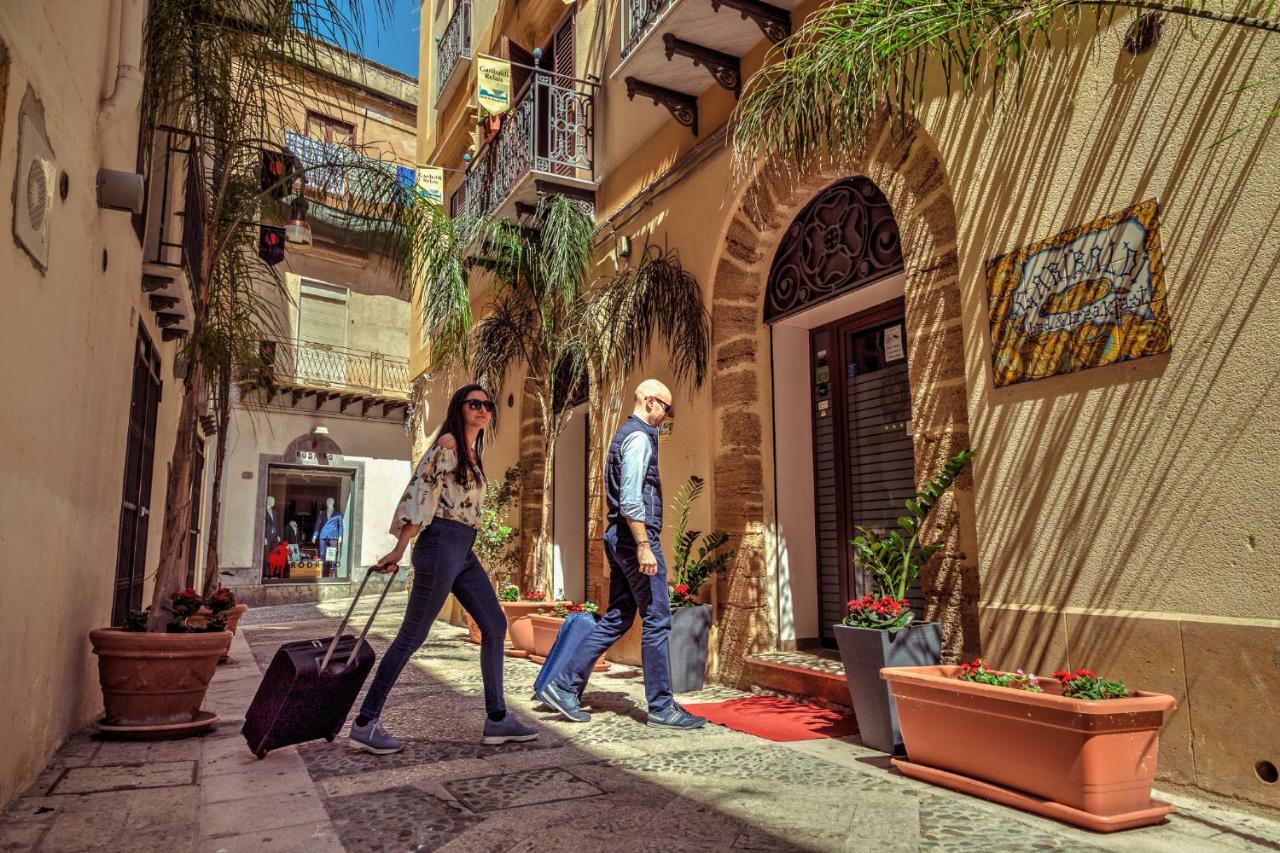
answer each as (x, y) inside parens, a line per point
(126, 94)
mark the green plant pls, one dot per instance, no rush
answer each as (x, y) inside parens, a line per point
(884, 613)
(189, 612)
(977, 672)
(689, 569)
(564, 608)
(895, 559)
(509, 592)
(851, 61)
(495, 540)
(1085, 684)
(570, 333)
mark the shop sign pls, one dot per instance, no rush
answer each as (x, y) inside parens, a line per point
(493, 84)
(1090, 296)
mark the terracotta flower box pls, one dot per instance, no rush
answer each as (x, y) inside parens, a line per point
(1084, 762)
(154, 683)
(519, 628)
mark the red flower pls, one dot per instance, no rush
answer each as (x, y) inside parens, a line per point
(682, 588)
(1062, 675)
(1085, 673)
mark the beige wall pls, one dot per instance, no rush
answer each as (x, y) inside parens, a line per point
(68, 360)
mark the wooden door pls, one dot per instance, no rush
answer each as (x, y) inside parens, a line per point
(135, 504)
(864, 458)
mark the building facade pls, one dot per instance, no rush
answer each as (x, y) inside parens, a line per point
(1115, 516)
(318, 453)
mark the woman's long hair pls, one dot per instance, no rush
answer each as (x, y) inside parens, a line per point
(455, 425)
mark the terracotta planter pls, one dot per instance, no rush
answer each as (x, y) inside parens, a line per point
(545, 629)
(154, 679)
(1087, 763)
(233, 621)
(864, 652)
(690, 627)
(519, 628)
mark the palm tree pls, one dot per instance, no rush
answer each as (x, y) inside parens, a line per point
(226, 75)
(852, 60)
(543, 314)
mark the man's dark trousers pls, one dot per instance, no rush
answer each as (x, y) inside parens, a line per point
(630, 590)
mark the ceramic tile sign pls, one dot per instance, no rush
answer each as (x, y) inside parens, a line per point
(1090, 296)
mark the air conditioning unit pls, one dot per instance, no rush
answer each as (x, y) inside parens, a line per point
(33, 200)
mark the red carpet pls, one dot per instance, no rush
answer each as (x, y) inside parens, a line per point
(776, 719)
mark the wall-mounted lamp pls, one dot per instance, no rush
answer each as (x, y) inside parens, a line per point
(296, 231)
(624, 247)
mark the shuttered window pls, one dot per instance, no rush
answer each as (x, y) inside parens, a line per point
(322, 314)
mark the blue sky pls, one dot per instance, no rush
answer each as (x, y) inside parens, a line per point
(395, 44)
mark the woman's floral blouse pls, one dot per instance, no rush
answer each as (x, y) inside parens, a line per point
(434, 492)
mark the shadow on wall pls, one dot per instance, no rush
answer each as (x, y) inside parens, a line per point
(1076, 438)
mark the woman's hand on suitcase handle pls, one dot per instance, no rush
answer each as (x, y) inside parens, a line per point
(389, 563)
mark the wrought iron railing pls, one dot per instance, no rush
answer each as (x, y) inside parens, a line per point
(454, 44)
(638, 16)
(548, 130)
(314, 365)
(337, 170)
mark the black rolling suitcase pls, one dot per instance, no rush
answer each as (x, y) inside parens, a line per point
(311, 685)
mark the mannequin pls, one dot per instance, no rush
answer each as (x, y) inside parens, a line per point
(328, 533)
(271, 531)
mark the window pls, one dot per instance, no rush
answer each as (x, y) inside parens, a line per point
(322, 314)
(330, 130)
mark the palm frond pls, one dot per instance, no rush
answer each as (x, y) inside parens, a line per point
(851, 62)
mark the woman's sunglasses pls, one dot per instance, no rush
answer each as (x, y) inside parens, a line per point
(477, 405)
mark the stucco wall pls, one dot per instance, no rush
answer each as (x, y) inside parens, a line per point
(68, 361)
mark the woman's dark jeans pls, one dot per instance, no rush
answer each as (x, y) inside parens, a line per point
(442, 563)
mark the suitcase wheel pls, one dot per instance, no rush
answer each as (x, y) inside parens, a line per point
(329, 738)
(261, 753)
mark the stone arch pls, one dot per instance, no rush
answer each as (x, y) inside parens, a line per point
(907, 169)
(321, 444)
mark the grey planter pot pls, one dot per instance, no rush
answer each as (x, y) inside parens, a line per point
(864, 651)
(690, 627)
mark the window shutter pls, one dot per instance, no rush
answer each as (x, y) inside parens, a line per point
(562, 49)
(322, 315)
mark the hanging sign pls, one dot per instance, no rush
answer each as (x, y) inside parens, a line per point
(431, 183)
(271, 244)
(493, 84)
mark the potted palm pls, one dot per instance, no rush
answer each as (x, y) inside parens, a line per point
(690, 618)
(881, 630)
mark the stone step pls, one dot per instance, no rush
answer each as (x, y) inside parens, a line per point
(808, 675)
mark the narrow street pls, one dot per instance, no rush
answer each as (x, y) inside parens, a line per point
(612, 784)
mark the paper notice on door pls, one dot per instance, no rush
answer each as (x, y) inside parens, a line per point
(893, 344)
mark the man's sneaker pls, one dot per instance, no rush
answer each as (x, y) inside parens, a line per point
(372, 737)
(564, 701)
(676, 717)
(507, 729)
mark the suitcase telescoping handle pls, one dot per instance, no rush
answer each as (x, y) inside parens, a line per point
(333, 644)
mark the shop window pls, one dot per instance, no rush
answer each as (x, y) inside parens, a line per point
(307, 532)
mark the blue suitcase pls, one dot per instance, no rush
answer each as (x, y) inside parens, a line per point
(575, 629)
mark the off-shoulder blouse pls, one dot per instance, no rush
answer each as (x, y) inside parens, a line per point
(434, 492)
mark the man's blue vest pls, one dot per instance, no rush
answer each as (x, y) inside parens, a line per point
(652, 491)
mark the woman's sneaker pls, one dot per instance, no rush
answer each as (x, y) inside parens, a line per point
(372, 737)
(507, 729)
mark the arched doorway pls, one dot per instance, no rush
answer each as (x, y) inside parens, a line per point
(749, 451)
(842, 399)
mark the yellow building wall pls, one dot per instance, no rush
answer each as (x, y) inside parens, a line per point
(67, 352)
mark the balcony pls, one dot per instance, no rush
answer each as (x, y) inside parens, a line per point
(453, 53)
(298, 373)
(338, 171)
(545, 145)
(674, 50)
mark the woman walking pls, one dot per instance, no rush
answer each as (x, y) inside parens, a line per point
(443, 501)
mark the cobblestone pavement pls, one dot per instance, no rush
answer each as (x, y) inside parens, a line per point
(612, 784)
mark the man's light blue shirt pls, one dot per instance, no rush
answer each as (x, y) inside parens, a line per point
(636, 453)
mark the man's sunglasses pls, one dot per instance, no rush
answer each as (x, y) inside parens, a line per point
(668, 409)
(477, 405)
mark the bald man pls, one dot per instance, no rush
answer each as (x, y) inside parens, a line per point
(638, 574)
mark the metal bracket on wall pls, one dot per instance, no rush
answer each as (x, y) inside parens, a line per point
(683, 108)
(725, 68)
(775, 23)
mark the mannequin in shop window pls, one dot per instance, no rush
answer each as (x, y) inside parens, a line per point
(328, 534)
(271, 528)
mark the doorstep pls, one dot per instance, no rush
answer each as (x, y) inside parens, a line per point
(808, 675)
